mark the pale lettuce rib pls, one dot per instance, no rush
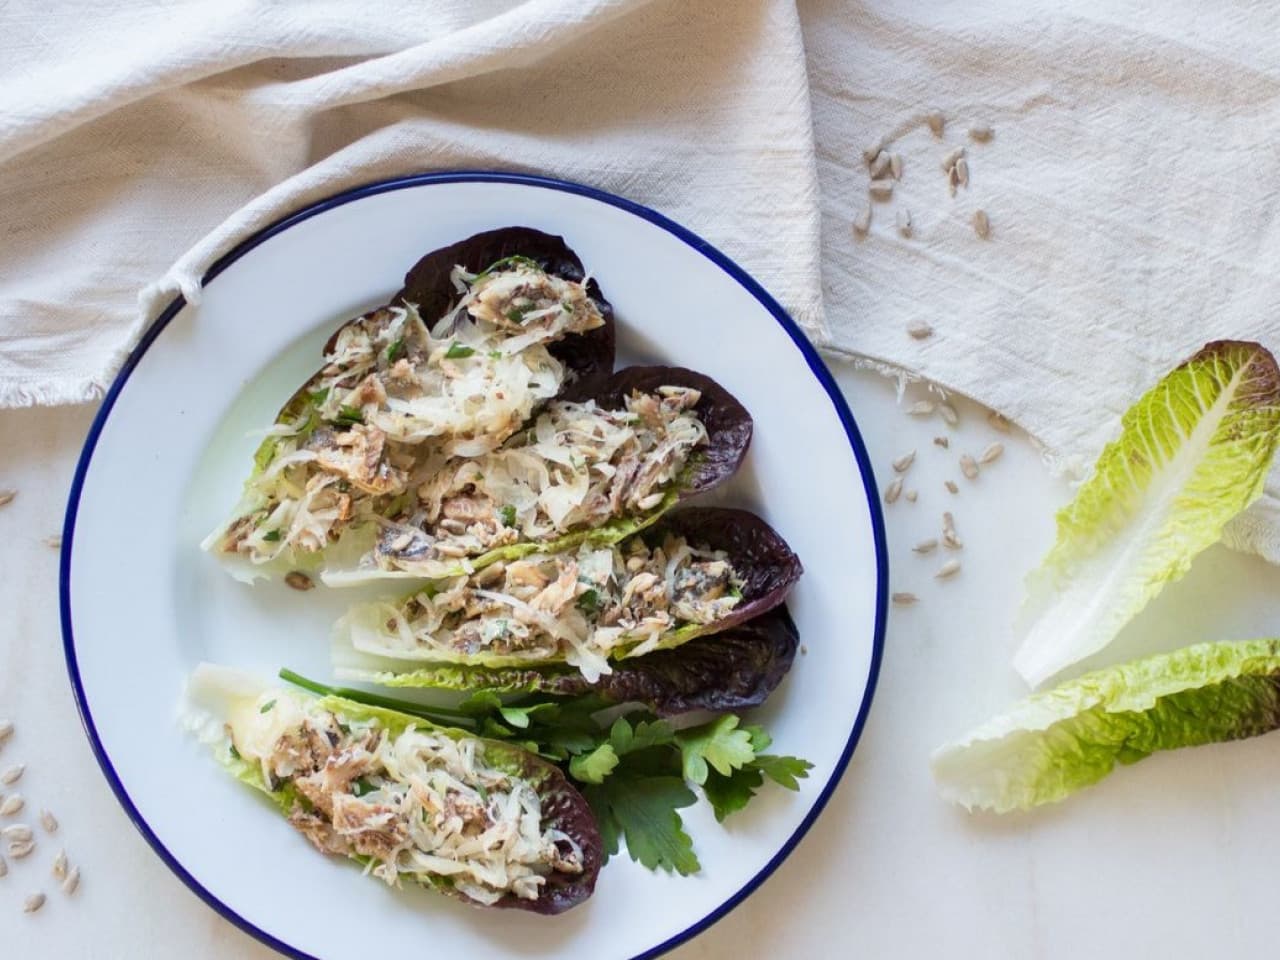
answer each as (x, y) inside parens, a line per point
(1193, 452)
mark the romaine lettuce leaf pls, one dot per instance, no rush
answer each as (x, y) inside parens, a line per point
(1193, 452)
(1064, 739)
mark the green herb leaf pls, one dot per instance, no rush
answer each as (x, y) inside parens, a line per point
(593, 767)
(271, 536)
(719, 743)
(643, 811)
(362, 786)
(458, 351)
(396, 350)
(495, 354)
(266, 706)
(508, 514)
(730, 794)
(349, 415)
(784, 771)
(511, 261)
(516, 314)
(589, 602)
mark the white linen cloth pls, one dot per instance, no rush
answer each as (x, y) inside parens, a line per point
(1131, 182)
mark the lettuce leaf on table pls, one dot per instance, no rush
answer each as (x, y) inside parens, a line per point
(1193, 452)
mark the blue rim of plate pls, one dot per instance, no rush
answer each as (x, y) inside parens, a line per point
(816, 365)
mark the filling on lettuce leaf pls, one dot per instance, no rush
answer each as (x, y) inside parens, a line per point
(699, 571)
(1051, 744)
(480, 819)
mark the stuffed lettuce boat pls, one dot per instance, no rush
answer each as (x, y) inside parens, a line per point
(697, 571)
(483, 334)
(583, 472)
(482, 820)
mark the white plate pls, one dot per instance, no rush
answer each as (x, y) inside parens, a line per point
(141, 604)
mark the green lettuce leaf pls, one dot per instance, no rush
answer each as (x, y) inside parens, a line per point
(1193, 452)
(1061, 740)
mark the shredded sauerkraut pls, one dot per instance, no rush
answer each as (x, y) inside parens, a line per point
(418, 804)
(578, 466)
(581, 607)
(394, 394)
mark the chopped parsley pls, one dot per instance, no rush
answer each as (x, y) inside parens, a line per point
(511, 261)
(589, 602)
(349, 415)
(266, 706)
(457, 351)
(516, 314)
(271, 536)
(508, 514)
(396, 350)
(361, 787)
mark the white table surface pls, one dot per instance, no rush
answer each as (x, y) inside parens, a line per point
(1174, 857)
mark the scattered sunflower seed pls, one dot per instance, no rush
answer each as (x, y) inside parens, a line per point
(880, 189)
(951, 159)
(969, 466)
(904, 222)
(60, 866)
(936, 122)
(949, 413)
(992, 453)
(998, 421)
(6, 730)
(949, 538)
(926, 546)
(880, 165)
(952, 181)
(17, 832)
(13, 774)
(911, 495)
(73, 880)
(895, 166)
(951, 486)
(981, 224)
(862, 222)
(962, 172)
(299, 580)
(893, 491)
(981, 133)
(922, 408)
(904, 599)
(4, 867)
(919, 330)
(6, 497)
(873, 151)
(11, 805)
(48, 821)
(942, 442)
(33, 903)
(54, 541)
(21, 848)
(948, 569)
(903, 462)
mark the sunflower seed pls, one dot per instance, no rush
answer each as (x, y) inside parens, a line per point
(893, 491)
(21, 848)
(952, 181)
(862, 222)
(48, 821)
(33, 903)
(981, 224)
(904, 461)
(981, 133)
(73, 880)
(962, 172)
(11, 805)
(919, 330)
(968, 466)
(6, 497)
(881, 189)
(6, 730)
(921, 408)
(998, 421)
(951, 159)
(926, 546)
(880, 165)
(904, 599)
(895, 166)
(942, 442)
(13, 774)
(60, 866)
(951, 486)
(53, 540)
(949, 413)
(17, 832)
(904, 222)
(911, 495)
(948, 521)
(992, 453)
(299, 580)
(936, 122)
(4, 867)
(873, 151)
(949, 538)
(948, 569)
